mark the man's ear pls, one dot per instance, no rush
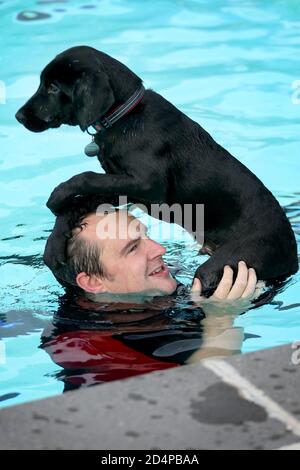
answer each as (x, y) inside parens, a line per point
(92, 97)
(91, 283)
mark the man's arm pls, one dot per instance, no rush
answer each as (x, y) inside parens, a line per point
(220, 337)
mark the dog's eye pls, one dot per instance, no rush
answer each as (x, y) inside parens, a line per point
(53, 89)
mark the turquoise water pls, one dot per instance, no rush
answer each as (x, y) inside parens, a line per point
(229, 65)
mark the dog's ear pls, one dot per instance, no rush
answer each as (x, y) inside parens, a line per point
(92, 97)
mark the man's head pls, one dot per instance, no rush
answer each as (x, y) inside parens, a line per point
(111, 253)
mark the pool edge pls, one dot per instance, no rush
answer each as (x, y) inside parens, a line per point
(247, 401)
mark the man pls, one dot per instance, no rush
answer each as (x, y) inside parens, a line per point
(111, 253)
(125, 319)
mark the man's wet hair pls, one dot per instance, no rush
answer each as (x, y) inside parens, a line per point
(82, 255)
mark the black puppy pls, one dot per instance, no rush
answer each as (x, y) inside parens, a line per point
(156, 154)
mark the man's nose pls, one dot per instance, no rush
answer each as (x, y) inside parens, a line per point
(155, 249)
(20, 116)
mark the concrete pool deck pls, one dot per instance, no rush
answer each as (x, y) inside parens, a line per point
(248, 401)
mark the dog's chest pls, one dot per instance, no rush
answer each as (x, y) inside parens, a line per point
(109, 161)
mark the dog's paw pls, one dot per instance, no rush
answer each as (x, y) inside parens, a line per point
(59, 199)
(55, 253)
(208, 279)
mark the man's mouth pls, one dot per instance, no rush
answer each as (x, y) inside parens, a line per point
(160, 271)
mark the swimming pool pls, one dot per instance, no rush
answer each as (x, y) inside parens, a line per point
(231, 67)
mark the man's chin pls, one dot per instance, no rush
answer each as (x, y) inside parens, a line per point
(165, 287)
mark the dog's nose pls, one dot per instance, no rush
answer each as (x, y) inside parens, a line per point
(20, 116)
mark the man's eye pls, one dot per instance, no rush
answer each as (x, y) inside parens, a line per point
(53, 89)
(134, 247)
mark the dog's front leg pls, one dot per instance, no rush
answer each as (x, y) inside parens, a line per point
(105, 184)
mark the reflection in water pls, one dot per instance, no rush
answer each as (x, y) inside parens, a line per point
(96, 343)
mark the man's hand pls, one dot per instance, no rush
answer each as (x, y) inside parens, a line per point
(220, 337)
(244, 287)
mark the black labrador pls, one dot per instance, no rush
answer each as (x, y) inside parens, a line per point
(156, 154)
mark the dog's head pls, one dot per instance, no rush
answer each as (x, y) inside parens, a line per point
(75, 88)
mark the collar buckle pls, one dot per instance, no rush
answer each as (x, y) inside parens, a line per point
(106, 123)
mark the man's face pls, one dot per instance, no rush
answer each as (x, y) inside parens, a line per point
(132, 260)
